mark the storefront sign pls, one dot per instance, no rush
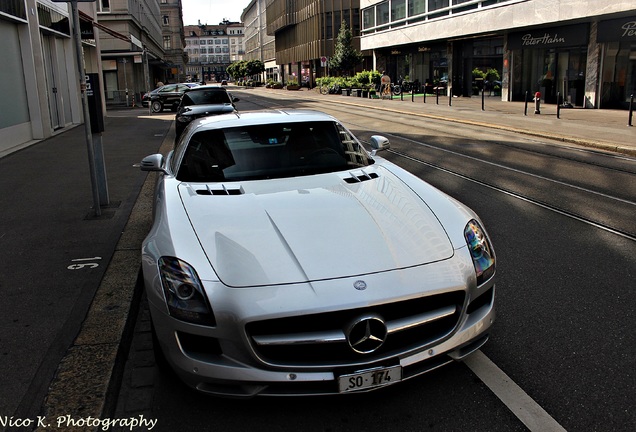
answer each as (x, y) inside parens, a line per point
(549, 38)
(623, 29)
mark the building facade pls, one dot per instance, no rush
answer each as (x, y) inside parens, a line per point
(579, 52)
(39, 77)
(173, 40)
(131, 49)
(208, 50)
(306, 32)
(258, 44)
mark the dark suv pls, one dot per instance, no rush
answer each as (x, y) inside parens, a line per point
(203, 101)
(167, 96)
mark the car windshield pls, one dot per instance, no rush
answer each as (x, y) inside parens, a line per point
(206, 97)
(270, 151)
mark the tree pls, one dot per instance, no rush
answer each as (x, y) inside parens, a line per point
(245, 68)
(345, 58)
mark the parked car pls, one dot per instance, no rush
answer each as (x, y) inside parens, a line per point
(285, 259)
(203, 101)
(166, 96)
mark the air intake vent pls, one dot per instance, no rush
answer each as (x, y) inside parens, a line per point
(360, 178)
(224, 191)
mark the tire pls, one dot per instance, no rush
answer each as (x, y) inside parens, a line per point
(324, 90)
(397, 90)
(156, 106)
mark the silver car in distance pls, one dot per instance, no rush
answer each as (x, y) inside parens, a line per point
(285, 259)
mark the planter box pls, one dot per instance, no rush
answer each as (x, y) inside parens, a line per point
(293, 87)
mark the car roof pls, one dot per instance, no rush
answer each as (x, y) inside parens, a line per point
(251, 118)
(207, 87)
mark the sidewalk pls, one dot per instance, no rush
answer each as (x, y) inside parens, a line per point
(596, 128)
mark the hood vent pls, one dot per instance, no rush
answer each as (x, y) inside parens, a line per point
(220, 191)
(360, 178)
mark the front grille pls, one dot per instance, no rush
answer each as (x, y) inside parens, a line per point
(321, 339)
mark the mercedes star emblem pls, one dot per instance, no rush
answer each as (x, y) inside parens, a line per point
(360, 285)
(366, 334)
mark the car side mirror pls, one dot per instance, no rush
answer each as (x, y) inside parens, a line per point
(153, 163)
(379, 143)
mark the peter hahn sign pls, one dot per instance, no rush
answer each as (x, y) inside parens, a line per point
(617, 30)
(546, 39)
(549, 38)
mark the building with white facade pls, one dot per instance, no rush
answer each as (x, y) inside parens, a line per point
(208, 48)
(582, 50)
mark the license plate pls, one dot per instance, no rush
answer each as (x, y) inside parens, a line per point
(369, 379)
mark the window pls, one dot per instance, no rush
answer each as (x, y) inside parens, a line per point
(167, 42)
(166, 20)
(437, 4)
(103, 6)
(270, 151)
(382, 13)
(398, 10)
(368, 18)
(417, 7)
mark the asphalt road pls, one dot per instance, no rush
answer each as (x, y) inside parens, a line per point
(562, 355)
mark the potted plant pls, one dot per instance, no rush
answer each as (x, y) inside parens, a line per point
(292, 84)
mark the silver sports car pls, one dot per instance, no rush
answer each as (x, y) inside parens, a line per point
(285, 259)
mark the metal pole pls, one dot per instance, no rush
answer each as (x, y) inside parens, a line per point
(450, 96)
(558, 105)
(437, 95)
(631, 109)
(482, 100)
(525, 109)
(87, 116)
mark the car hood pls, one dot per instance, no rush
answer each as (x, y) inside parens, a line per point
(202, 110)
(312, 228)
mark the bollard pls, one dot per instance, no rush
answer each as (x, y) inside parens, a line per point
(482, 100)
(525, 109)
(537, 103)
(450, 97)
(425, 94)
(631, 109)
(558, 105)
(437, 95)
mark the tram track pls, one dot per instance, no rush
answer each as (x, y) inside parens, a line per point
(389, 126)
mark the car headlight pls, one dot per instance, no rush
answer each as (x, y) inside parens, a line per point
(184, 292)
(481, 251)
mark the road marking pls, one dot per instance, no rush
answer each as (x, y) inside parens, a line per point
(523, 406)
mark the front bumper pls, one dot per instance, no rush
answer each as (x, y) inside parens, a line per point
(225, 360)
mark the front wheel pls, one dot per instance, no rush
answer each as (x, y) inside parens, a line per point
(156, 106)
(324, 90)
(397, 90)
